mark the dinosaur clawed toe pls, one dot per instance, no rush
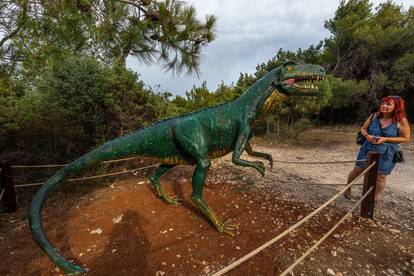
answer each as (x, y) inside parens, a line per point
(173, 200)
(161, 193)
(227, 227)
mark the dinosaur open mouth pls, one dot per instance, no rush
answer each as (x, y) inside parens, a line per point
(304, 82)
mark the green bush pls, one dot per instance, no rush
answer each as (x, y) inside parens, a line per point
(75, 105)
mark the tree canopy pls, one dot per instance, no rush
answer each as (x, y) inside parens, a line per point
(36, 32)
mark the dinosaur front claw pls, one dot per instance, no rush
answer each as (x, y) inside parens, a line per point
(259, 167)
(271, 161)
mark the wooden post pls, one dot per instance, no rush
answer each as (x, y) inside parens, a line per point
(9, 196)
(370, 180)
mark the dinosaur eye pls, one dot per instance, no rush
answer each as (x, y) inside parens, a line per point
(289, 68)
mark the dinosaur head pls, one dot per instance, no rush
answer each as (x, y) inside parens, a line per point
(299, 78)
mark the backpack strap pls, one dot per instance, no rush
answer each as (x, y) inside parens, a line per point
(372, 119)
(398, 129)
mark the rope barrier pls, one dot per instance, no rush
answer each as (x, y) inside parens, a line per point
(89, 177)
(308, 183)
(314, 162)
(38, 166)
(130, 158)
(311, 183)
(6, 175)
(319, 162)
(290, 229)
(64, 165)
(290, 268)
(323, 184)
(2, 193)
(118, 160)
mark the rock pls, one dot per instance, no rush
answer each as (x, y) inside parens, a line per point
(394, 231)
(96, 231)
(118, 218)
(390, 271)
(330, 272)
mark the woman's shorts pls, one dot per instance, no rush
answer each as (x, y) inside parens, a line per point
(385, 167)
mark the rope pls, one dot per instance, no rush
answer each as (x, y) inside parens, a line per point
(2, 193)
(38, 166)
(310, 163)
(118, 160)
(130, 158)
(64, 165)
(327, 184)
(299, 223)
(89, 177)
(308, 183)
(311, 183)
(289, 269)
(6, 175)
(319, 162)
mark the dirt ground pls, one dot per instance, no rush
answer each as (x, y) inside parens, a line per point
(122, 228)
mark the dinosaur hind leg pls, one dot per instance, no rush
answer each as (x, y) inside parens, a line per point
(189, 136)
(158, 189)
(198, 179)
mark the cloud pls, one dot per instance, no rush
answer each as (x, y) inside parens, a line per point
(248, 33)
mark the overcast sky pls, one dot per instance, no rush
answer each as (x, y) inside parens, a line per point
(248, 33)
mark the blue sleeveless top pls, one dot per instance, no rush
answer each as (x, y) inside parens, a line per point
(386, 150)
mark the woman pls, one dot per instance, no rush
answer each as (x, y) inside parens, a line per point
(384, 131)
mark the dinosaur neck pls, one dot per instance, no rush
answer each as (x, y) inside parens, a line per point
(254, 99)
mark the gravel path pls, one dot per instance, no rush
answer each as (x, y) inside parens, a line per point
(298, 182)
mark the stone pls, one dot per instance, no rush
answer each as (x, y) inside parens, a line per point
(96, 231)
(330, 272)
(390, 271)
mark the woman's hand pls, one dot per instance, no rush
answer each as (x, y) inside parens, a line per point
(370, 138)
(378, 140)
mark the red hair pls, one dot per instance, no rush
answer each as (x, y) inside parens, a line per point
(399, 110)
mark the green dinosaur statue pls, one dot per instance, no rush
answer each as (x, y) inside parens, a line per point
(192, 139)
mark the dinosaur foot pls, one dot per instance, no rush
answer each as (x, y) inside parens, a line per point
(173, 200)
(223, 227)
(226, 227)
(161, 193)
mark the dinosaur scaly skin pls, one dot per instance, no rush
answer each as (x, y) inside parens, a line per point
(193, 139)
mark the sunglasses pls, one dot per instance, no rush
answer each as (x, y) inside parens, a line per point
(394, 97)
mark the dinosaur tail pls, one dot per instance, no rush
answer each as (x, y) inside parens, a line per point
(96, 156)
